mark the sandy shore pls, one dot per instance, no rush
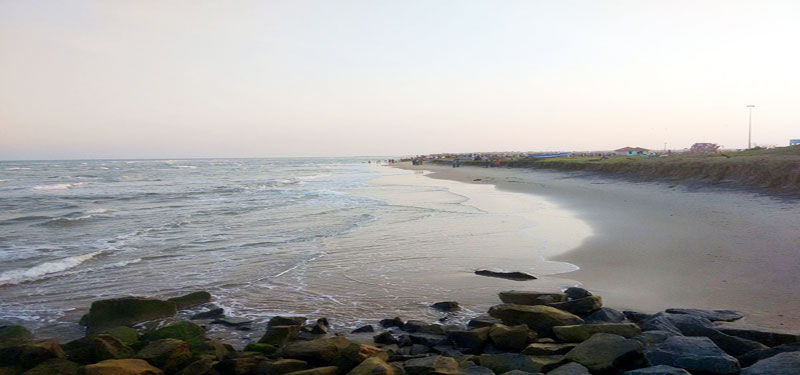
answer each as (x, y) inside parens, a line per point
(657, 246)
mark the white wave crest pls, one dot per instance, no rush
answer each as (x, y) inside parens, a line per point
(40, 270)
(58, 186)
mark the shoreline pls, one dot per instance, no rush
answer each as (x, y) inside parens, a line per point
(650, 238)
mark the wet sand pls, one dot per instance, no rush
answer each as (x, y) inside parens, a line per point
(656, 246)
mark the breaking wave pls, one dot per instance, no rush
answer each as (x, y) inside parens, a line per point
(58, 186)
(41, 270)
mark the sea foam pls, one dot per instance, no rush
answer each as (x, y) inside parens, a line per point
(41, 270)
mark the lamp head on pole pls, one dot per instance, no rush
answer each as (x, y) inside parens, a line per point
(750, 106)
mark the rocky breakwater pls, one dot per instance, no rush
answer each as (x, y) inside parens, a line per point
(530, 333)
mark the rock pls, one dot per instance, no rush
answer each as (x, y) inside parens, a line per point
(510, 338)
(14, 336)
(394, 322)
(31, 354)
(190, 333)
(519, 297)
(653, 337)
(54, 366)
(318, 328)
(538, 318)
(422, 327)
(476, 370)
(473, 340)
(505, 362)
(232, 322)
(712, 315)
(580, 333)
(385, 338)
(544, 349)
(516, 276)
(577, 293)
(783, 363)
(127, 335)
(166, 354)
(571, 368)
(121, 367)
(427, 339)
(287, 321)
(518, 372)
(756, 355)
(265, 349)
(605, 315)
(245, 365)
(279, 335)
(579, 306)
(97, 348)
(126, 311)
(216, 349)
(328, 370)
(732, 345)
(280, 367)
(210, 314)
(191, 299)
(355, 353)
(366, 328)
(658, 370)
(669, 322)
(636, 317)
(320, 351)
(483, 321)
(692, 353)
(202, 366)
(372, 366)
(766, 336)
(431, 365)
(603, 352)
(446, 306)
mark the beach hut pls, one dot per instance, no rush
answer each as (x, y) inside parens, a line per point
(632, 151)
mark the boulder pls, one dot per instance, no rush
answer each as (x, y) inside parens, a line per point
(385, 338)
(54, 366)
(693, 354)
(431, 365)
(31, 354)
(604, 351)
(14, 336)
(322, 351)
(394, 322)
(265, 349)
(636, 316)
(658, 370)
(547, 349)
(505, 362)
(757, 355)
(166, 354)
(605, 315)
(732, 345)
(279, 335)
(518, 372)
(201, 366)
(541, 319)
(582, 332)
(413, 326)
(766, 336)
(483, 321)
(579, 306)
(519, 297)
(121, 367)
(670, 322)
(287, 321)
(373, 366)
(576, 293)
(215, 349)
(327, 370)
(783, 363)
(188, 332)
(426, 339)
(516, 275)
(653, 337)
(126, 311)
(232, 321)
(244, 365)
(712, 315)
(472, 369)
(513, 338)
(210, 314)
(446, 306)
(572, 368)
(191, 299)
(474, 339)
(97, 348)
(127, 335)
(364, 329)
(280, 367)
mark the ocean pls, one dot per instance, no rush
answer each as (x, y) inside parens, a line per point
(336, 237)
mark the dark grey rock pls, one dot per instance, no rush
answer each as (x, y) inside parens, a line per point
(636, 316)
(605, 315)
(394, 322)
(232, 322)
(580, 306)
(670, 322)
(529, 298)
(446, 306)
(519, 372)
(367, 328)
(547, 349)
(386, 338)
(732, 345)
(571, 368)
(653, 337)
(476, 370)
(504, 362)
(483, 321)
(210, 314)
(757, 355)
(287, 321)
(575, 292)
(766, 336)
(712, 315)
(603, 352)
(474, 339)
(427, 339)
(780, 364)
(693, 354)
(658, 370)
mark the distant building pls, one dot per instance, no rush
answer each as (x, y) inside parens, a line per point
(794, 142)
(704, 148)
(632, 151)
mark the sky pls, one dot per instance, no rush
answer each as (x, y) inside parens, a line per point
(181, 79)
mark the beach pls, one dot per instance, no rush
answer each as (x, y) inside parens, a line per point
(657, 245)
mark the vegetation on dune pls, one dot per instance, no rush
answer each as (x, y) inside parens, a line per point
(777, 169)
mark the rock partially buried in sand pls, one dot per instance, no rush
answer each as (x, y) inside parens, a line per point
(516, 276)
(125, 311)
(712, 315)
(784, 363)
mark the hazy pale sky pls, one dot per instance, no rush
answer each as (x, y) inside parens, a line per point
(136, 79)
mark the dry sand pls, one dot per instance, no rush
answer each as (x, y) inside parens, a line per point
(657, 246)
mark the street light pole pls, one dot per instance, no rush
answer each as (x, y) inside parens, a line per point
(750, 125)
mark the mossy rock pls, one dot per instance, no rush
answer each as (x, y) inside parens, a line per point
(265, 349)
(127, 335)
(97, 348)
(191, 299)
(188, 332)
(14, 335)
(55, 366)
(166, 354)
(110, 313)
(121, 367)
(10, 370)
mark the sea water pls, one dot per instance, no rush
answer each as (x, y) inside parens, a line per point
(340, 238)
